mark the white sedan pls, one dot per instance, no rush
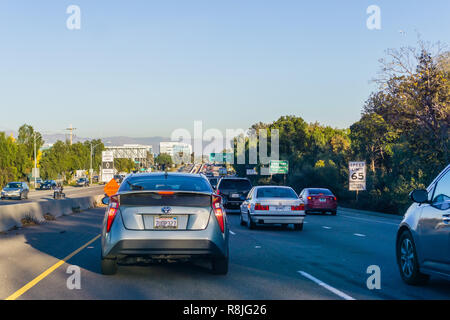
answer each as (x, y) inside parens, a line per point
(272, 205)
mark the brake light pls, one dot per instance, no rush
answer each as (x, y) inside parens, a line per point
(334, 198)
(166, 192)
(218, 211)
(112, 211)
(218, 191)
(300, 207)
(258, 206)
(309, 198)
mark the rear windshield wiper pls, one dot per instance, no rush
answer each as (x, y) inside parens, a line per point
(135, 186)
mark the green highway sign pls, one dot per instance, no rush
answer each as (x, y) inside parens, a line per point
(221, 157)
(278, 166)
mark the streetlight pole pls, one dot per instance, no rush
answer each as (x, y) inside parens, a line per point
(92, 152)
(35, 162)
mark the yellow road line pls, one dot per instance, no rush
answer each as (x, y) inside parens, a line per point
(47, 272)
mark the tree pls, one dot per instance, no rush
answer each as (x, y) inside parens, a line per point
(27, 137)
(372, 139)
(164, 160)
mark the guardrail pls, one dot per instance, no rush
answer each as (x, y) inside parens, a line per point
(12, 215)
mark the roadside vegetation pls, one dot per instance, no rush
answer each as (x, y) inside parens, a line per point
(403, 135)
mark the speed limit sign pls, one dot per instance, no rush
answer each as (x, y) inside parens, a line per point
(357, 175)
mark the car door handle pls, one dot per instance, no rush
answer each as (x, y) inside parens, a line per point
(446, 218)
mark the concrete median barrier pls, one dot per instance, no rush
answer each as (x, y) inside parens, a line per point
(11, 215)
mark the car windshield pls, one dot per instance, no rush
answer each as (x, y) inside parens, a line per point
(160, 182)
(235, 184)
(14, 185)
(324, 192)
(276, 193)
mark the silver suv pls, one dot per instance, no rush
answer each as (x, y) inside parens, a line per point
(423, 238)
(163, 217)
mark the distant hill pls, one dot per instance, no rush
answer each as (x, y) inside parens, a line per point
(108, 141)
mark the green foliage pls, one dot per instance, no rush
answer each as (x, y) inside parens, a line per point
(124, 165)
(403, 135)
(164, 159)
(63, 159)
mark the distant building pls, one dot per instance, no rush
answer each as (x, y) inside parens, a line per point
(136, 152)
(175, 149)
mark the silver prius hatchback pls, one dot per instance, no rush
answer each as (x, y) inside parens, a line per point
(272, 205)
(164, 217)
(423, 238)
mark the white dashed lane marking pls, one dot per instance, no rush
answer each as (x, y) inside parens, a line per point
(326, 286)
(359, 234)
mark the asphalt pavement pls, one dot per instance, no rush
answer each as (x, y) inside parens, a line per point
(327, 260)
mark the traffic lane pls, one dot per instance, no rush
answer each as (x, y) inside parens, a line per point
(44, 195)
(265, 264)
(253, 274)
(27, 252)
(332, 248)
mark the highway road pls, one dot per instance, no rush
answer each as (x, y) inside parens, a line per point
(44, 195)
(327, 260)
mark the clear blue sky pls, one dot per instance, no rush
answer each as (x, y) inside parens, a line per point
(144, 68)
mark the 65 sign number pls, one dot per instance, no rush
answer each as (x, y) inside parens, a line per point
(357, 175)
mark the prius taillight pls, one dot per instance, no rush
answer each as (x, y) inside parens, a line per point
(112, 211)
(218, 211)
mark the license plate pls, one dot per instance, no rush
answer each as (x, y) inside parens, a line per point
(322, 200)
(166, 222)
(235, 195)
(279, 208)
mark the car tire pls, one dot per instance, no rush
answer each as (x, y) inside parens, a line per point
(298, 226)
(109, 266)
(333, 213)
(407, 261)
(220, 265)
(242, 222)
(250, 224)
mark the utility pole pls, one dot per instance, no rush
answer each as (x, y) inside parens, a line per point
(71, 133)
(35, 161)
(90, 167)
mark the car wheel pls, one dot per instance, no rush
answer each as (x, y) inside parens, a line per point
(220, 265)
(407, 260)
(250, 223)
(333, 213)
(109, 266)
(298, 226)
(242, 222)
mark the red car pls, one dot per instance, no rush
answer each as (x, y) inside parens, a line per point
(319, 200)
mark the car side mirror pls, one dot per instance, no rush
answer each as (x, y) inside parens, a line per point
(105, 200)
(419, 196)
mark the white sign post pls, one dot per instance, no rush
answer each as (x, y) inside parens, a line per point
(357, 176)
(107, 166)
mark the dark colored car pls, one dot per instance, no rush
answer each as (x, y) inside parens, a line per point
(213, 181)
(234, 191)
(319, 200)
(47, 185)
(423, 237)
